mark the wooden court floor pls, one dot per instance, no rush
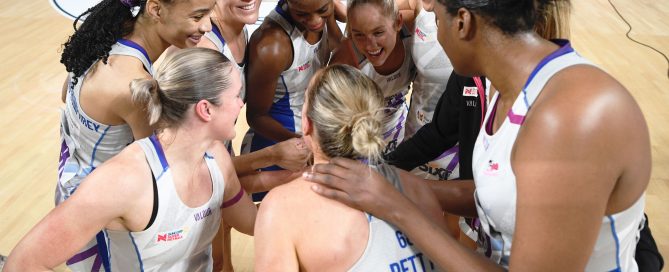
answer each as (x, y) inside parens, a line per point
(31, 77)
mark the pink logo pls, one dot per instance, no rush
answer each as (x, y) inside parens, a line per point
(470, 91)
(493, 169)
(420, 34)
(304, 67)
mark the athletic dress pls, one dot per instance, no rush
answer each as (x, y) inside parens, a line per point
(388, 249)
(433, 68)
(292, 83)
(87, 143)
(179, 239)
(395, 87)
(496, 183)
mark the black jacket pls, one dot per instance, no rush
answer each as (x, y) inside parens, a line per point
(457, 118)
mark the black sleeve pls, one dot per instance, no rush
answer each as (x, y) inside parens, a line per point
(435, 137)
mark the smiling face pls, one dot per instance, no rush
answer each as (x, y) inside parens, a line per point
(243, 11)
(310, 15)
(373, 33)
(182, 23)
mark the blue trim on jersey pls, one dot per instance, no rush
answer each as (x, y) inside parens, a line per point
(565, 48)
(108, 249)
(139, 256)
(159, 151)
(281, 110)
(102, 250)
(281, 12)
(95, 149)
(615, 237)
(206, 155)
(217, 31)
(136, 46)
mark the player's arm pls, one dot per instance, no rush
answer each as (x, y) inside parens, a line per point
(566, 168)
(263, 181)
(274, 235)
(345, 54)
(409, 10)
(238, 210)
(270, 53)
(334, 32)
(420, 194)
(100, 198)
(340, 11)
(291, 154)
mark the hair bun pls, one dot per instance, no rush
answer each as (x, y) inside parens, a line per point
(365, 130)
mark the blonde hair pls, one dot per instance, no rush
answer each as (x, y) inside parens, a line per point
(388, 9)
(181, 80)
(553, 20)
(346, 109)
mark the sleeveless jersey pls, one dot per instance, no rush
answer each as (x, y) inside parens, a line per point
(433, 68)
(395, 87)
(86, 143)
(179, 239)
(292, 83)
(387, 247)
(216, 38)
(496, 183)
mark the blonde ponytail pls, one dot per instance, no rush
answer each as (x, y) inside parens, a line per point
(345, 107)
(147, 92)
(182, 79)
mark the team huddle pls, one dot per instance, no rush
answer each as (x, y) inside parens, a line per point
(423, 136)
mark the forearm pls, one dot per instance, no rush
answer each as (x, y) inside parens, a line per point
(426, 145)
(455, 196)
(246, 164)
(269, 128)
(440, 247)
(265, 181)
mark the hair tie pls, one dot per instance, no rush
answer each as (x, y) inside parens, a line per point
(130, 3)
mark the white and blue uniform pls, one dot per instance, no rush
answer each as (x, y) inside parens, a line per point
(433, 68)
(87, 143)
(496, 183)
(179, 239)
(388, 249)
(395, 87)
(217, 39)
(292, 83)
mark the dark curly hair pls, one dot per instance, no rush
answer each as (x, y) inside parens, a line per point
(105, 24)
(510, 16)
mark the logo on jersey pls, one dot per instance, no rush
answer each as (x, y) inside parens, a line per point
(173, 235)
(420, 34)
(470, 91)
(393, 77)
(304, 67)
(493, 168)
(202, 214)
